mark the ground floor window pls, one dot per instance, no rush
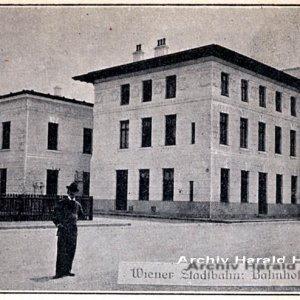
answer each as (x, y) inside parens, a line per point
(294, 189)
(144, 184)
(224, 183)
(3, 179)
(52, 182)
(244, 186)
(86, 183)
(168, 184)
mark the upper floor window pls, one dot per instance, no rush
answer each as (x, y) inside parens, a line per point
(146, 132)
(262, 96)
(170, 138)
(243, 133)
(278, 104)
(125, 94)
(52, 136)
(5, 135)
(292, 143)
(193, 132)
(244, 90)
(223, 129)
(87, 140)
(124, 134)
(224, 84)
(147, 90)
(293, 107)
(261, 136)
(277, 140)
(171, 86)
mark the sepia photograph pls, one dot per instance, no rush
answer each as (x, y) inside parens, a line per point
(150, 149)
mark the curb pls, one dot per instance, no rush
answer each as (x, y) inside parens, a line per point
(53, 227)
(191, 219)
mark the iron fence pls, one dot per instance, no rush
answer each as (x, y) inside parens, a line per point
(25, 207)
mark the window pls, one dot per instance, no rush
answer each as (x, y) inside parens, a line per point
(52, 182)
(224, 84)
(193, 131)
(223, 129)
(144, 184)
(293, 189)
(244, 186)
(262, 96)
(244, 90)
(224, 195)
(292, 143)
(5, 135)
(278, 188)
(278, 101)
(146, 132)
(170, 138)
(52, 136)
(87, 140)
(293, 107)
(171, 86)
(147, 90)
(124, 134)
(261, 136)
(3, 179)
(86, 183)
(168, 184)
(277, 140)
(191, 191)
(125, 94)
(243, 133)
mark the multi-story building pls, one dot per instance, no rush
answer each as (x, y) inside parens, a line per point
(206, 132)
(45, 141)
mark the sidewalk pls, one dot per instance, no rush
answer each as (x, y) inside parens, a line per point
(165, 217)
(96, 222)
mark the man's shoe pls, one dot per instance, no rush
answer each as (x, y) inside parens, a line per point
(71, 274)
(57, 276)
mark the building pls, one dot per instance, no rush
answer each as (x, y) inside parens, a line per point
(206, 132)
(46, 142)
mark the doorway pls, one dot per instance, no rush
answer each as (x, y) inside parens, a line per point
(121, 189)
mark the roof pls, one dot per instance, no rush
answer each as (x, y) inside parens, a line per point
(54, 97)
(192, 54)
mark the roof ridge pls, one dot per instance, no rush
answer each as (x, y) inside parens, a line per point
(48, 95)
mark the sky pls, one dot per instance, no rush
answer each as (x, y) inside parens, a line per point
(44, 47)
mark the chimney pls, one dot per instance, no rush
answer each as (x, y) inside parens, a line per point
(57, 90)
(138, 54)
(161, 48)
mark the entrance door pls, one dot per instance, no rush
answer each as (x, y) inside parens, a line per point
(122, 186)
(262, 193)
(52, 180)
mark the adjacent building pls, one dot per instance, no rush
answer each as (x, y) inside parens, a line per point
(45, 143)
(206, 132)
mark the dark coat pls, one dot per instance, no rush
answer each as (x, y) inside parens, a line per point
(65, 218)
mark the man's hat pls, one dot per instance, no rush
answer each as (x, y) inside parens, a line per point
(73, 187)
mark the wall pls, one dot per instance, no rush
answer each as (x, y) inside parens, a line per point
(190, 162)
(69, 157)
(13, 159)
(236, 158)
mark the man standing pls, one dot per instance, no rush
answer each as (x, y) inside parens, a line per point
(65, 218)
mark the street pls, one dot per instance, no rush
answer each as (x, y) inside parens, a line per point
(28, 255)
